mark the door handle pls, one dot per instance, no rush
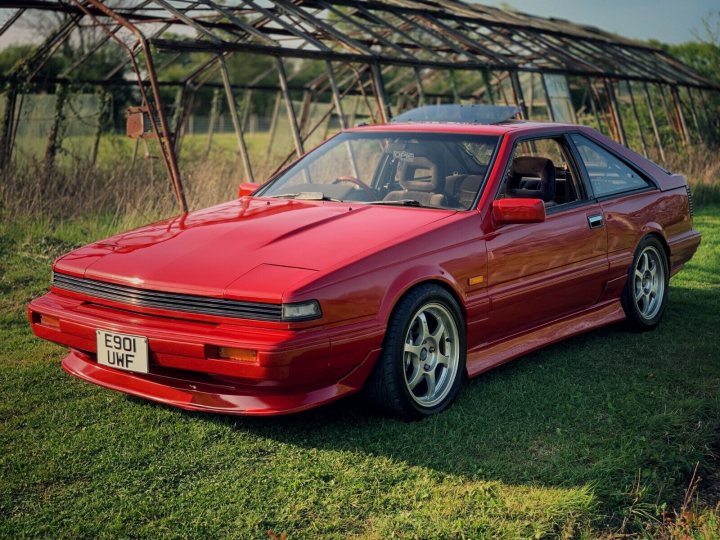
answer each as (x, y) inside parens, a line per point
(595, 221)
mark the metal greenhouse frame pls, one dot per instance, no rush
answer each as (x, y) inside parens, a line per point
(394, 54)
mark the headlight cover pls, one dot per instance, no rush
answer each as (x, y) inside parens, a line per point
(301, 311)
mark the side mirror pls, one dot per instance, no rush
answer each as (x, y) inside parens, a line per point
(247, 188)
(507, 211)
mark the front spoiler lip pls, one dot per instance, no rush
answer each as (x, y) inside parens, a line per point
(221, 398)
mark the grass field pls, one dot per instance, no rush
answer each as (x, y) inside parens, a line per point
(593, 437)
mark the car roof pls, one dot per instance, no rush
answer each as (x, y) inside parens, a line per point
(513, 126)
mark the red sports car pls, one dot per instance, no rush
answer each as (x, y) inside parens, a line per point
(395, 259)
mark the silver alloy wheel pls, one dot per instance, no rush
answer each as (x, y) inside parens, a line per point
(431, 354)
(649, 282)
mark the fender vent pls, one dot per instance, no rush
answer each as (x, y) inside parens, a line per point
(691, 201)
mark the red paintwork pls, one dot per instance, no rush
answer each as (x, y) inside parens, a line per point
(248, 188)
(510, 211)
(541, 282)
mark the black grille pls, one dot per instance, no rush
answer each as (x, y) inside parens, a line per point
(691, 201)
(134, 296)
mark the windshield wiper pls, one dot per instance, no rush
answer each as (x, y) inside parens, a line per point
(305, 196)
(404, 202)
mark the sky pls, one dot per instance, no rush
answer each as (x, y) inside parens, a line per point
(670, 21)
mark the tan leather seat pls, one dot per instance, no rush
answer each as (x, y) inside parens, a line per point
(420, 178)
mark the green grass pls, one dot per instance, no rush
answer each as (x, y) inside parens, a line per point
(593, 436)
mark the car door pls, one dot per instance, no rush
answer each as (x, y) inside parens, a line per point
(538, 272)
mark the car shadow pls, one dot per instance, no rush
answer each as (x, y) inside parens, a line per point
(596, 409)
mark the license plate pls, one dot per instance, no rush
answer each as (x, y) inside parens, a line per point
(122, 351)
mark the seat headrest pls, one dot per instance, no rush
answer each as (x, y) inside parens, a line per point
(532, 167)
(421, 173)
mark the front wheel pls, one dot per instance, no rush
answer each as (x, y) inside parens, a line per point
(645, 293)
(422, 363)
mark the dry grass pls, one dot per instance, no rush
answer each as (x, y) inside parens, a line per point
(142, 192)
(701, 167)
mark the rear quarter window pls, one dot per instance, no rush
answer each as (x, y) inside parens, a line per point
(608, 174)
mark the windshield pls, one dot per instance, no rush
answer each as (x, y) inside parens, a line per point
(436, 170)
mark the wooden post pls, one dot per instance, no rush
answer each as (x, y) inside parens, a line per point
(232, 108)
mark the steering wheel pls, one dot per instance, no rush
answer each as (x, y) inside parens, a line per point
(358, 183)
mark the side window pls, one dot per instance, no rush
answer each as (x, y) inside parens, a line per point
(608, 174)
(540, 169)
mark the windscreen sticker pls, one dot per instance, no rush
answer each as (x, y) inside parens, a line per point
(402, 155)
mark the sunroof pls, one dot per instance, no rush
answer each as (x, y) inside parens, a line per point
(464, 114)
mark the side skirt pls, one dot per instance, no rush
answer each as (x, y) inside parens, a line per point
(488, 356)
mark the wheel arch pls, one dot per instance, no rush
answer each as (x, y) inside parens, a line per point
(440, 279)
(654, 230)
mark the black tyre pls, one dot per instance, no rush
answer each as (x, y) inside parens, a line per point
(422, 363)
(645, 293)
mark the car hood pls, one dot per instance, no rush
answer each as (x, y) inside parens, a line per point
(249, 249)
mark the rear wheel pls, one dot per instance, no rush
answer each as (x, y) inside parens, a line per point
(423, 358)
(645, 293)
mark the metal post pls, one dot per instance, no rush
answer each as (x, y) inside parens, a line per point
(105, 101)
(548, 101)
(178, 117)
(305, 111)
(591, 89)
(674, 129)
(693, 113)
(380, 95)
(488, 86)
(337, 101)
(518, 94)
(615, 111)
(679, 114)
(54, 138)
(247, 107)
(637, 119)
(453, 87)
(651, 110)
(163, 132)
(421, 90)
(8, 121)
(273, 125)
(214, 112)
(295, 130)
(336, 94)
(232, 109)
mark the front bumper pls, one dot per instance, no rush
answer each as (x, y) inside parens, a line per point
(294, 370)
